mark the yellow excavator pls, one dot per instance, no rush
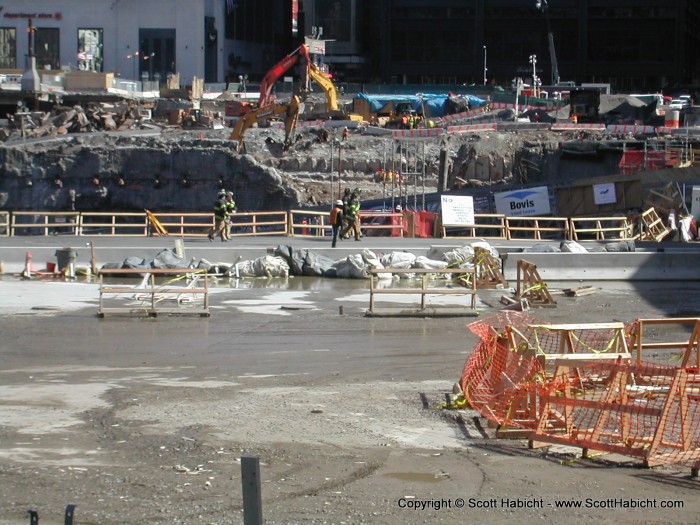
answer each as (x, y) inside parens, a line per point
(289, 111)
(331, 92)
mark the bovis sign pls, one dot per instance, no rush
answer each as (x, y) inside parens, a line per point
(519, 203)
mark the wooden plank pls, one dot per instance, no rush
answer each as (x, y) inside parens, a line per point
(579, 360)
(579, 292)
(426, 291)
(579, 326)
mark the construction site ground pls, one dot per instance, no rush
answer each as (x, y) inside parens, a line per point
(144, 420)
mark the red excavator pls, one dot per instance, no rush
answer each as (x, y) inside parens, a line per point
(299, 55)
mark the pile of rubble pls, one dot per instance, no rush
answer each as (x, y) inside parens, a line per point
(120, 116)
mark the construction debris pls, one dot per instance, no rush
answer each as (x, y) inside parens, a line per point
(120, 116)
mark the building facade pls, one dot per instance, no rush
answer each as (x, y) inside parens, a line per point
(136, 39)
(635, 45)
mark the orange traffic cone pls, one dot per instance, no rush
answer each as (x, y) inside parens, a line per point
(27, 272)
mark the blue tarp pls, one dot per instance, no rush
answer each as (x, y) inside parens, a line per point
(429, 104)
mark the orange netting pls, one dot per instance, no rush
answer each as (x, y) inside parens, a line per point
(494, 372)
(577, 384)
(645, 410)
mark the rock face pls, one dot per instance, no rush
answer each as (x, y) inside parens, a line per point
(181, 171)
(176, 173)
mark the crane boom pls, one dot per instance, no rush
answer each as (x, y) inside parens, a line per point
(543, 6)
(553, 58)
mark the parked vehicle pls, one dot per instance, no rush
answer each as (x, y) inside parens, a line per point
(676, 103)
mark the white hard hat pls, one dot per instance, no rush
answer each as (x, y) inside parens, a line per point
(339, 202)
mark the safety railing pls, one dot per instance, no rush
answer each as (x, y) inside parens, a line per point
(382, 224)
(113, 224)
(4, 223)
(259, 223)
(186, 224)
(601, 228)
(466, 286)
(151, 299)
(317, 224)
(302, 223)
(44, 223)
(309, 223)
(486, 226)
(537, 228)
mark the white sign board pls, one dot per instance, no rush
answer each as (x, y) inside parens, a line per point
(521, 203)
(457, 210)
(695, 205)
(316, 46)
(604, 193)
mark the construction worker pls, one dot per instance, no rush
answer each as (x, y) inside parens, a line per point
(352, 216)
(220, 217)
(230, 210)
(337, 219)
(346, 199)
(346, 132)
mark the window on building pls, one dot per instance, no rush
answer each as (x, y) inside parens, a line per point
(90, 49)
(157, 49)
(47, 43)
(8, 48)
(335, 19)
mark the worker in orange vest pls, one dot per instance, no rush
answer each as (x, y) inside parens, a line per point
(337, 219)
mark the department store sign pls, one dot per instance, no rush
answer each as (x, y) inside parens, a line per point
(37, 16)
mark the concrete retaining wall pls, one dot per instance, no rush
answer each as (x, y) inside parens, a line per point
(635, 266)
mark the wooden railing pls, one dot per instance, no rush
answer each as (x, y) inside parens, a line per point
(186, 224)
(368, 218)
(48, 222)
(317, 224)
(486, 226)
(259, 223)
(618, 228)
(535, 227)
(688, 349)
(113, 224)
(303, 223)
(152, 299)
(4, 223)
(427, 276)
(309, 224)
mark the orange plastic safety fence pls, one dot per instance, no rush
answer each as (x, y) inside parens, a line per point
(640, 409)
(521, 374)
(494, 373)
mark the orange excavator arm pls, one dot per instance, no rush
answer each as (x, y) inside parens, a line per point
(300, 54)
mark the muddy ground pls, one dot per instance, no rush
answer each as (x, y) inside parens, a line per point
(139, 420)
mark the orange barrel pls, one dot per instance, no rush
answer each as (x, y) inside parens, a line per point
(673, 118)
